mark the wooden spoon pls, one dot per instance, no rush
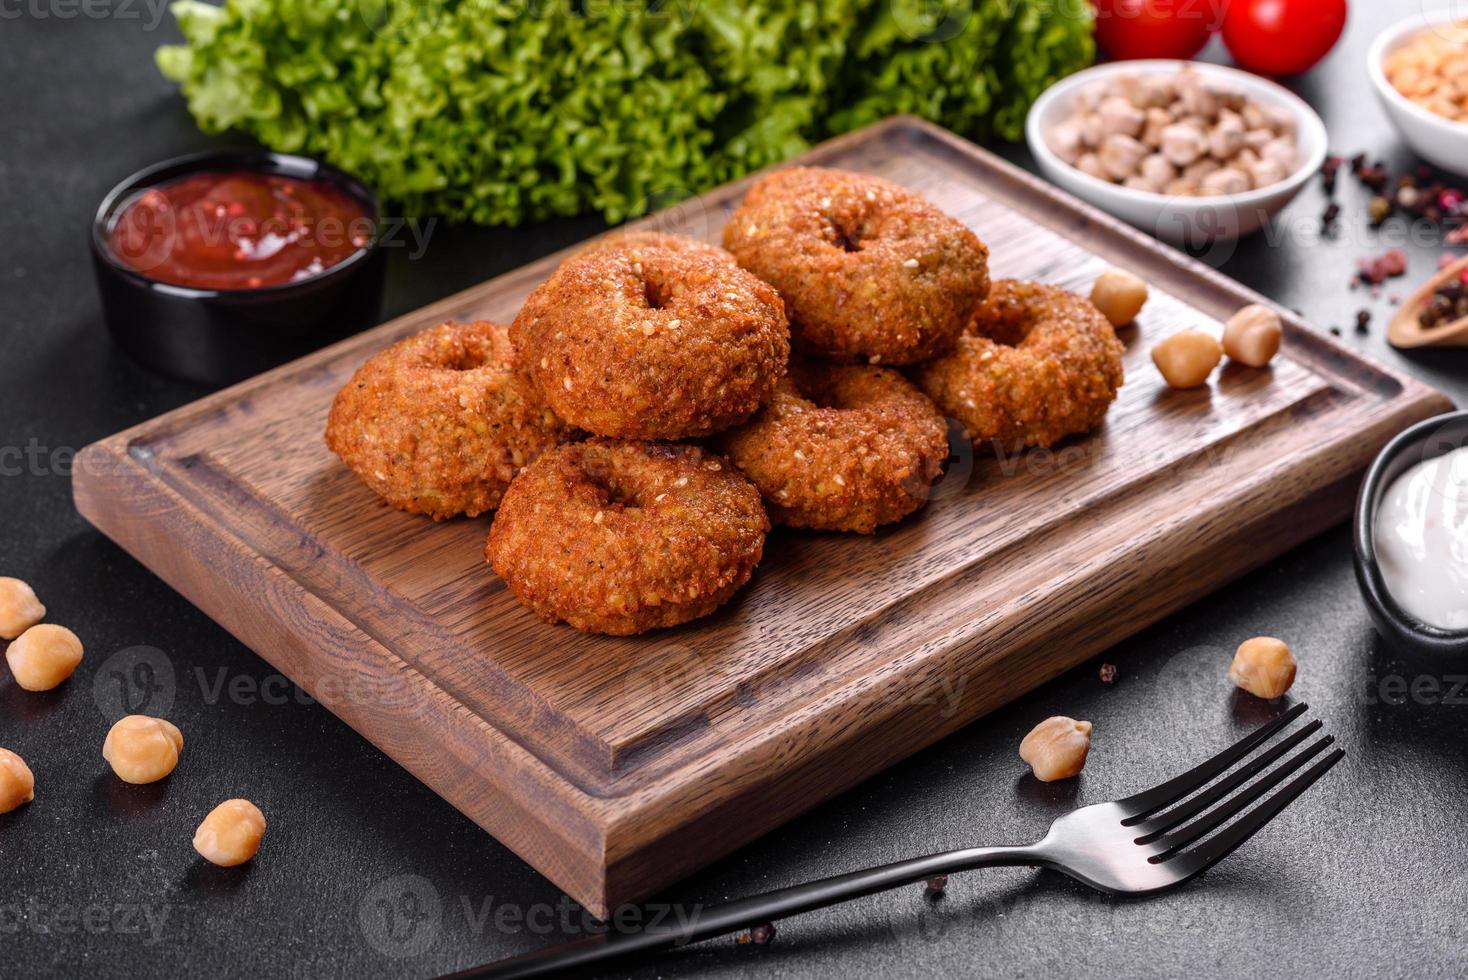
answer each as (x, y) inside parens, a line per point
(1406, 330)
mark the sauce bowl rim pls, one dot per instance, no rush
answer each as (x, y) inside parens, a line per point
(257, 160)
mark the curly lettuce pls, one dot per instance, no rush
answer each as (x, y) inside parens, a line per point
(503, 111)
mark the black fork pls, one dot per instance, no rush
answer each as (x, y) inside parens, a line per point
(1145, 843)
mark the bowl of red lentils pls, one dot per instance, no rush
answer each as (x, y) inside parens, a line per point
(1419, 69)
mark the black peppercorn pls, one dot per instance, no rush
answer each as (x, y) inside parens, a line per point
(761, 935)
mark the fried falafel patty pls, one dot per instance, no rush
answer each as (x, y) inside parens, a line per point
(639, 340)
(842, 448)
(633, 241)
(870, 272)
(440, 422)
(1036, 365)
(622, 537)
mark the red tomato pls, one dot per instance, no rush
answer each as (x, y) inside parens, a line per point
(1282, 37)
(1129, 29)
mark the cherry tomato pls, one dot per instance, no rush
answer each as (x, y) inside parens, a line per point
(1129, 29)
(1282, 37)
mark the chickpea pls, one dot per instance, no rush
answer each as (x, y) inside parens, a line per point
(1266, 173)
(43, 656)
(1264, 667)
(1200, 170)
(1065, 141)
(1092, 132)
(1281, 120)
(142, 749)
(1225, 181)
(1280, 151)
(1120, 117)
(1152, 92)
(19, 608)
(1183, 144)
(1232, 99)
(1157, 121)
(230, 835)
(1186, 359)
(1120, 155)
(17, 785)
(1251, 336)
(1090, 96)
(1258, 139)
(1199, 98)
(1056, 748)
(1119, 295)
(1158, 171)
(1227, 137)
(1090, 163)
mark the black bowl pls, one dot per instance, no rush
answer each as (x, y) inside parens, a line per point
(1426, 440)
(220, 336)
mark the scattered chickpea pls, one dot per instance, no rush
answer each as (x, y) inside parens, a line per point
(142, 749)
(17, 785)
(1251, 336)
(19, 608)
(43, 656)
(1056, 748)
(1186, 359)
(1264, 667)
(230, 835)
(1119, 295)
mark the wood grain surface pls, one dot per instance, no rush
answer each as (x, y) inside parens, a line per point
(617, 765)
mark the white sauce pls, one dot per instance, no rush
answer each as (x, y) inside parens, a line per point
(1422, 540)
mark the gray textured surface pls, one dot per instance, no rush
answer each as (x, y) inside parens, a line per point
(1362, 878)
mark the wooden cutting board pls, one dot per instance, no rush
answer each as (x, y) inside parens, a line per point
(616, 766)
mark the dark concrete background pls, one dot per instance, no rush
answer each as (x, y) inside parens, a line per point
(1363, 877)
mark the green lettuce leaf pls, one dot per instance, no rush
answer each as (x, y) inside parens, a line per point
(502, 111)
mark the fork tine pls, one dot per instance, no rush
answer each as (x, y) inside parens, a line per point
(1146, 803)
(1155, 827)
(1220, 847)
(1179, 839)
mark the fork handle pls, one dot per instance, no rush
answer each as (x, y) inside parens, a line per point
(746, 913)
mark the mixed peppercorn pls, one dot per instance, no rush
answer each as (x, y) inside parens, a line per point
(1419, 195)
(1449, 303)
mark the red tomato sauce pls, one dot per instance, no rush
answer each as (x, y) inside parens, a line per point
(238, 230)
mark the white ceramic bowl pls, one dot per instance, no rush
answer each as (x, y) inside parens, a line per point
(1432, 137)
(1192, 220)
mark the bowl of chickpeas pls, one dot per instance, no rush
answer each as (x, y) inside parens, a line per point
(1419, 70)
(1189, 152)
